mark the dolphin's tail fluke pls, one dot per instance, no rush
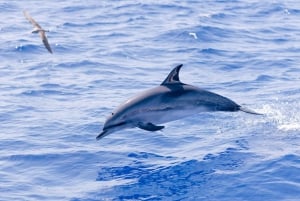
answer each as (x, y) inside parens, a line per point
(247, 110)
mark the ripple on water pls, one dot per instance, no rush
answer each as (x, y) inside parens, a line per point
(53, 105)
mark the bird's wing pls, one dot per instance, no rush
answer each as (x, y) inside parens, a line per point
(45, 41)
(30, 19)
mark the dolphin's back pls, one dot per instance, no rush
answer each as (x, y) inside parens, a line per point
(216, 102)
(196, 97)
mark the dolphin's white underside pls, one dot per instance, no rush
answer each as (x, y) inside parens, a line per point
(159, 114)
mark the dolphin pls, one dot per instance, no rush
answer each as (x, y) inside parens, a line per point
(38, 29)
(170, 101)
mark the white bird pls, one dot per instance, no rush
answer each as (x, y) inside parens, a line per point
(194, 35)
(38, 29)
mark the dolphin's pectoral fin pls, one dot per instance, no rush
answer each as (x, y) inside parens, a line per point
(149, 126)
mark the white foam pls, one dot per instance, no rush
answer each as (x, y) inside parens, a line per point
(286, 119)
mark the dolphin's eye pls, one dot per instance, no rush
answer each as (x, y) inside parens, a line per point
(112, 114)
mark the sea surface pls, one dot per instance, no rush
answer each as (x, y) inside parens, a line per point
(52, 106)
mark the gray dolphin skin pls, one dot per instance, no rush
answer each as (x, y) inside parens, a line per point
(170, 101)
(38, 29)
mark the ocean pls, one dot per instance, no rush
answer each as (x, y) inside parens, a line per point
(53, 106)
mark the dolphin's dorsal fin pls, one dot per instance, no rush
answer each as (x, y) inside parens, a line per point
(173, 76)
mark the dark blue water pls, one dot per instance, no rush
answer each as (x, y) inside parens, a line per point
(53, 106)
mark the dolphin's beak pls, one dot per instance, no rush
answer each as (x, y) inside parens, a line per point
(102, 135)
(107, 129)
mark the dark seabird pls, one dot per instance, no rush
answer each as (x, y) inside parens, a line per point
(38, 29)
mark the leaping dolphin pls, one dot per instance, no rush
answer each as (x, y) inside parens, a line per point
(170, 101)
(38, 29)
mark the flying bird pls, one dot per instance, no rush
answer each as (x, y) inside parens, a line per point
(38, 29)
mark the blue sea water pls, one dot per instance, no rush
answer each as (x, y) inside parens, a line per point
(52, 107)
